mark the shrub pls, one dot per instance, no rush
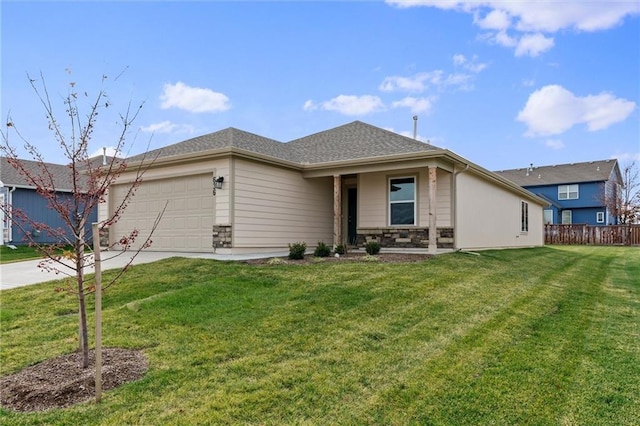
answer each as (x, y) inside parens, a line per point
(276, 261)
(341, 249)
(369, 258)
(322, 250)
(297, 250)
(372, 247)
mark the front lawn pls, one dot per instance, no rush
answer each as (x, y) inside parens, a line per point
(530, 336)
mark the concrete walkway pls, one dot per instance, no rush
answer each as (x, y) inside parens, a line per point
(20, 274)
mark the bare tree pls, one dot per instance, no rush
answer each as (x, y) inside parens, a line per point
(623, 201)
(88, 180)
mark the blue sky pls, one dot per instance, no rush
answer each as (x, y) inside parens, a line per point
(503, 84)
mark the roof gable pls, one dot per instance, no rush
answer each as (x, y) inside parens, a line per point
(226, 138)
(591, 171)
(353, 141)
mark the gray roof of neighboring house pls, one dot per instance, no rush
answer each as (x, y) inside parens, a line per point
(11, 177)
(351, 141)
(590, 171)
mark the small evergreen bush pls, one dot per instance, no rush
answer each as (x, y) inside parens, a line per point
(341, 249)
(297, 250)
(372, 247)
(322, 250)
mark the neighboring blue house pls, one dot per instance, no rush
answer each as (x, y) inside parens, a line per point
(576, 192)
(16, 193)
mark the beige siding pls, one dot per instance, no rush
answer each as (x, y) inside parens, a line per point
(274, 206)
(373, 198)
(489, 216)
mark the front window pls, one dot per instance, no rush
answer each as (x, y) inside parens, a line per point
(524, 216)
(566, 217)
(402, 201)
(568, 192)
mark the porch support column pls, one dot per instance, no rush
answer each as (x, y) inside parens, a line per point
(433, 233)
(337, 210)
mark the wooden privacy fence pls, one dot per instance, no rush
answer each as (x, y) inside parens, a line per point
(605, 235)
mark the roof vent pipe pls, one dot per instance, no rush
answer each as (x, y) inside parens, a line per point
(415, 127)
(104, 155)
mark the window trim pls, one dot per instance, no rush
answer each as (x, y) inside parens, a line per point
(566, 190)
(414, 201)
(599, 217)
(524, 217)
(544, 214)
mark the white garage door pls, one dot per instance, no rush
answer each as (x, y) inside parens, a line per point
(187, 222)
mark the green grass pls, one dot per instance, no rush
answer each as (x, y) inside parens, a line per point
(22, 252)
(539, 336)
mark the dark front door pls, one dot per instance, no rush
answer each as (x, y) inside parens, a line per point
(352, 215)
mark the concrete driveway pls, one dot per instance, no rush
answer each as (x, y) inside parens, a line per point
(19, 274)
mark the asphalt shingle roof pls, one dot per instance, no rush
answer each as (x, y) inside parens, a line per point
(9, 176)
(591, 171)
(227, 138)
(351, 141)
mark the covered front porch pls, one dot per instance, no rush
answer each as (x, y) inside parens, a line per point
(396, 207)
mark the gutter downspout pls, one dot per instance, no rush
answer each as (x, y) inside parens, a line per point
(455, 206)
(10, 216)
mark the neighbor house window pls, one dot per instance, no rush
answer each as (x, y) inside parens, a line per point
(548, 217)
(566, 217)
(568, 192)
(402, 201)
(524, 216)
(600, 217)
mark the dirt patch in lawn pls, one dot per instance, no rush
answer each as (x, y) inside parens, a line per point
(349, 257)
(61, 382)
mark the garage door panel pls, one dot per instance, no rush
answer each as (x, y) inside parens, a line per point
(188, 219)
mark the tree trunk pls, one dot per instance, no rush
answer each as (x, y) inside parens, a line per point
(84, 341)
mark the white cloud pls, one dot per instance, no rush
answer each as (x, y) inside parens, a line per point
(416, 105)
(554, 143)
(627, 157)
(416, 84)
(553, 109)
(533, 45)
(309, 105)
(193, 99)
(420, 82)
(167, 127)
(472, 65)
(532, 17)
(350, 104)
(459, 59)
(494, 20)
(530, 82)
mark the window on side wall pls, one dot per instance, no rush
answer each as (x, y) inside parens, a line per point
(568, 192)
(548, 217)
(566, 217)
(600, 217)
(524, 216)
(402, 201)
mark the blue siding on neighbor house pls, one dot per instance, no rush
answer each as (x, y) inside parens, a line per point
(36, 208)
(584, 209)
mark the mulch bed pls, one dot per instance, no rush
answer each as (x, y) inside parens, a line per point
(61, 382)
